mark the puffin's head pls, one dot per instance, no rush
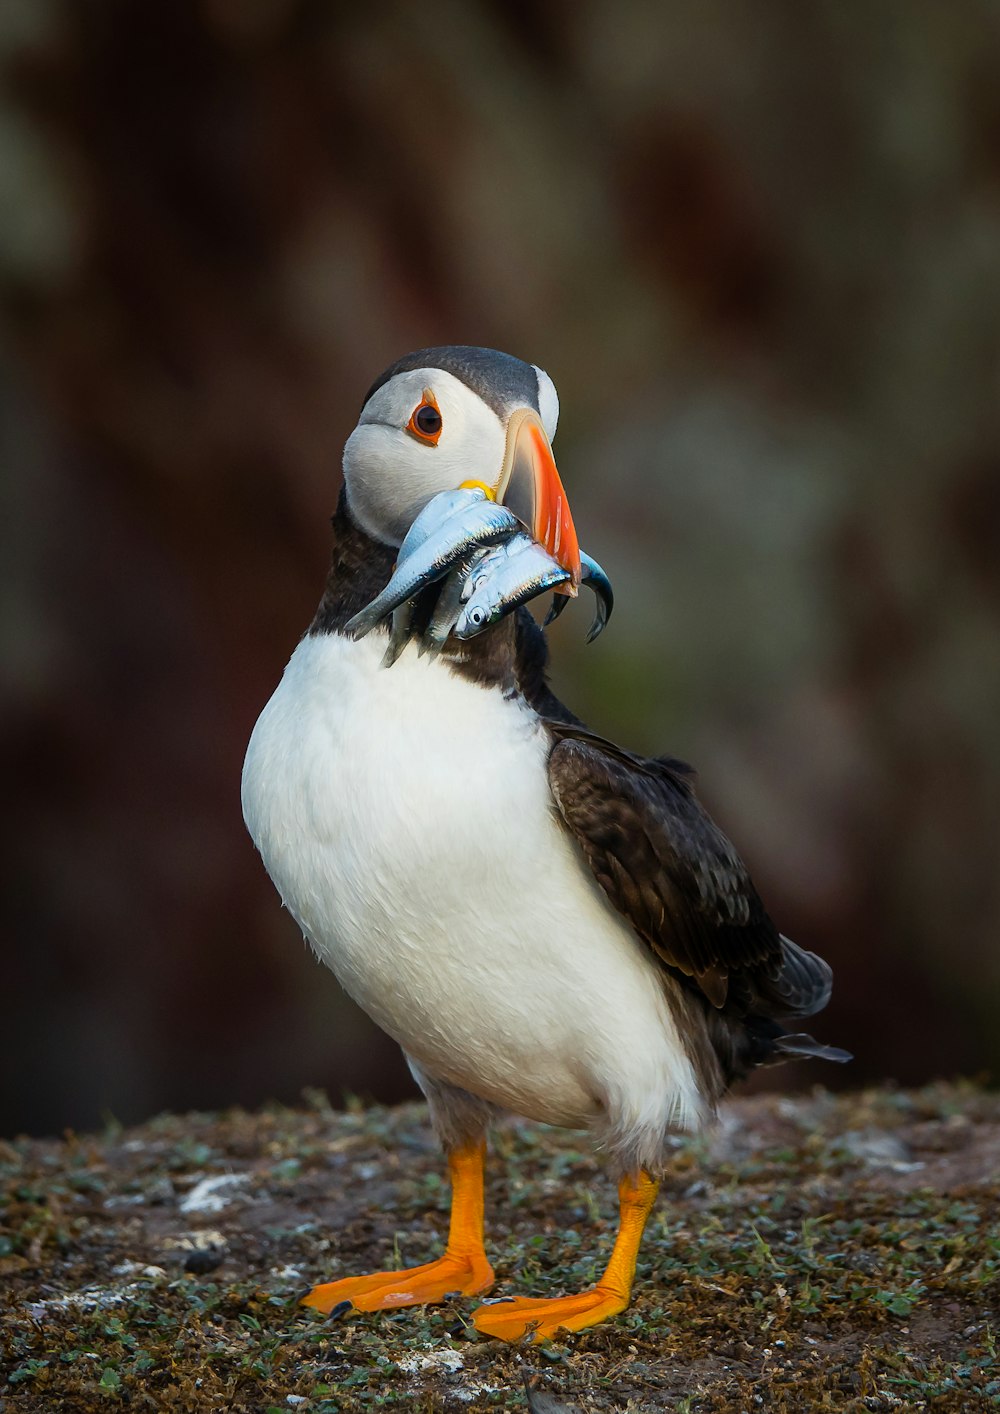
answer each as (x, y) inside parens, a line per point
(447, 417)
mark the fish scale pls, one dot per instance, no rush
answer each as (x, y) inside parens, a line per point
(482, 523)
(515, 572)
(489, 566)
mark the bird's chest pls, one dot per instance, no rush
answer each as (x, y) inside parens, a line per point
(397, 810)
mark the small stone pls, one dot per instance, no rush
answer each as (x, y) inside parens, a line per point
(207, 1196)
(203, 1260)
(877, 1148)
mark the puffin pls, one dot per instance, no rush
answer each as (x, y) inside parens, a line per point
(547, 923)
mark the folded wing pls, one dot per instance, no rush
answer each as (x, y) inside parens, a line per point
(671, 872)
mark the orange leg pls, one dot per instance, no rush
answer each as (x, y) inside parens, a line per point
(541, 1319)
(463, 1268)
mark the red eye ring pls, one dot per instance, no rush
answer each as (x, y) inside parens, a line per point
(426, 421)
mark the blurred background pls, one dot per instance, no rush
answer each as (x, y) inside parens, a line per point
(757, 246)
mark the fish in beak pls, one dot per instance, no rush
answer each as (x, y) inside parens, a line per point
(530, 487)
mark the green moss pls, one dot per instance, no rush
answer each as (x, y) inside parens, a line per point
(818, 1254)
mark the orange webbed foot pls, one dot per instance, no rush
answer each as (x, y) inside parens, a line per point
(463, 1269)
(541, 1319)
(415, 1286)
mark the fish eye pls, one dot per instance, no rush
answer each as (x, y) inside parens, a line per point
(425, 421)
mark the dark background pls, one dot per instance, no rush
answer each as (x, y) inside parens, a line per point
(757, 246)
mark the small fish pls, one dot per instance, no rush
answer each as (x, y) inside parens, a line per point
(399, 636)
(437, 510)
(598, 581)
(511, 575)
(559, 602)
(483, 522)
(455, 590)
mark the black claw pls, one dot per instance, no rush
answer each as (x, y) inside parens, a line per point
(340, 1310)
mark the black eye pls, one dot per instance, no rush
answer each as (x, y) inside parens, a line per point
(427, 420)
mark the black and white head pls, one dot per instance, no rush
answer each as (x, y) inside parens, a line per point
(454, 416)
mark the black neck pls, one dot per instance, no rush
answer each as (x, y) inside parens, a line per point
(360, 569)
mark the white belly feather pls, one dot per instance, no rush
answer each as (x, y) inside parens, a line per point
(404, 816)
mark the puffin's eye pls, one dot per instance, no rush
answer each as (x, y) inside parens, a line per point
(428, 420)
(425, 421)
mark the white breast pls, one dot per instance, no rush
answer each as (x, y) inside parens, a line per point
(404, 815)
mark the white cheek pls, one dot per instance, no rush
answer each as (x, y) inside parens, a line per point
(376, 481)
(390, 476)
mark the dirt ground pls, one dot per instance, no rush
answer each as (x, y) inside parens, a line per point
(812, 1253)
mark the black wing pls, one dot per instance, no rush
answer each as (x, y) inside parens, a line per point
(665, 865)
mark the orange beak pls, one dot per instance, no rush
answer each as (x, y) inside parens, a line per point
(529, 486)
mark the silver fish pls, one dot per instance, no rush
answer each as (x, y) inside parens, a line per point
(594, 576)
(490, 559)
(399, 636)
(483, 522)
(511, 575)
(438, 509)
(455, 590)
(559, 602)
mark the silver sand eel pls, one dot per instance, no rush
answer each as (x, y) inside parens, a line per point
(516, 571)
(479, 522)
(598, 581)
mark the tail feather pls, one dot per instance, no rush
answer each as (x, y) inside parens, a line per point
(800, 1044)
(801, 986)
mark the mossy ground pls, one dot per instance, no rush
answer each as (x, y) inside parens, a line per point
(816, 1253)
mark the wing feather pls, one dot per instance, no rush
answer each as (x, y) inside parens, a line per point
(674, 875)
